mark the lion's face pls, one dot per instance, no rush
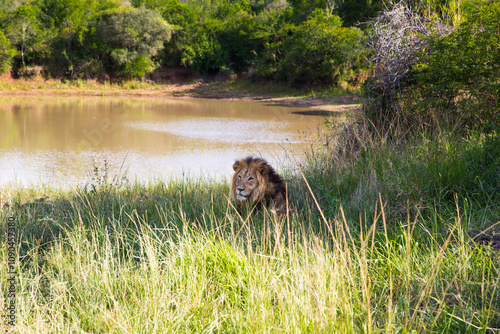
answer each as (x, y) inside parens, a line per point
(246, 182)
(249, 183)
(256, 182)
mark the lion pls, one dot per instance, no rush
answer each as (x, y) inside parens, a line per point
(256, 183)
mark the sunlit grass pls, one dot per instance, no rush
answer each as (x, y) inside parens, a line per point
(177, 257)
(384, 236)
(80, 87)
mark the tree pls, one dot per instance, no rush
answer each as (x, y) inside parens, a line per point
(209, 36)
(131, 37)
(319, 51)
(187, 31)
(68, 15)
(6, 53)
(27, 34)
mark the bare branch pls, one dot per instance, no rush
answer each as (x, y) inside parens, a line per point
(398, 35)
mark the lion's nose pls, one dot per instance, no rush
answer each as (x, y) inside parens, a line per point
(240, 189)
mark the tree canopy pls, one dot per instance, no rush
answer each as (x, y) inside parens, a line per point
(319, 42)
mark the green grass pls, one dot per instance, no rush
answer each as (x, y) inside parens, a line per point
(80, 87)
(381, 243)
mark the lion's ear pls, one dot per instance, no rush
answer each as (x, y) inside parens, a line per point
(263, 168)
(236, 165)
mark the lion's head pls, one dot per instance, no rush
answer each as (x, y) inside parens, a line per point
(256, 182)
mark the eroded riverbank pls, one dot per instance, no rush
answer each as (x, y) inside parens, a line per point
(229, 90)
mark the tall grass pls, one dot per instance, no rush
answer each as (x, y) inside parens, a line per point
(416, 176)
(366, 250)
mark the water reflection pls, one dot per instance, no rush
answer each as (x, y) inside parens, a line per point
(58, 140)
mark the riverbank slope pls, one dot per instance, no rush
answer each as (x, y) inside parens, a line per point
(238, 89)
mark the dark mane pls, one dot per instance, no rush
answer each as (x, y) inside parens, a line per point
(274, 188)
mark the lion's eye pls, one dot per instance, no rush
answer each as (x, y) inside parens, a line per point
(250, 178)
(239, 177)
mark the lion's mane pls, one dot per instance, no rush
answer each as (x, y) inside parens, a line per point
(256, 183)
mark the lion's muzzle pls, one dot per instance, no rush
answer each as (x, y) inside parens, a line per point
(239, 194)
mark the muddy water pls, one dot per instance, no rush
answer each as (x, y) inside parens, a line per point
(61, 140)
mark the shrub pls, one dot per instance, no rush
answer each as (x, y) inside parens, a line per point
(457, 78)
(243, 38)
(320, 51)
(138, 67)
(132, 37)
(209, 55)
(124, 41)
(428, 76)
(222, 38)
(396, 38)
(179, 50)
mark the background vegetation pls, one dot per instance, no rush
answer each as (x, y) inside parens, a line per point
(298, 42)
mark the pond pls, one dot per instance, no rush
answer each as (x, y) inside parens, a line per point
(61, 140)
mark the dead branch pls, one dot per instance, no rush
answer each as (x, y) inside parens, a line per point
(397, 37)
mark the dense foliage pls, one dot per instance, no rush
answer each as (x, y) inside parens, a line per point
(461, 71)
(6, 53)
(320, 51)
(297, 42)
(430, 76)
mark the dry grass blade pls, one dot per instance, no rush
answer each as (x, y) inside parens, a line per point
(328, 225)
